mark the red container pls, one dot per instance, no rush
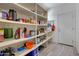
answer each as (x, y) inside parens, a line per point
(24, 20)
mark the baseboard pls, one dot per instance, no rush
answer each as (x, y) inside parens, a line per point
(66, 44)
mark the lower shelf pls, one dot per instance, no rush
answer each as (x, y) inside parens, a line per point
(23, 53)
(11, 42)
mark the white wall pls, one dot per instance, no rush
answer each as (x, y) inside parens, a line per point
(77, 27)
(62, 9)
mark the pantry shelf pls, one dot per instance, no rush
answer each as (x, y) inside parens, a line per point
(44, 41)
(29, 50)
(41, 16)
(7, 43)
(24, 22)
(15, 22)
(28, 10)
(24, 8)
(43, 33)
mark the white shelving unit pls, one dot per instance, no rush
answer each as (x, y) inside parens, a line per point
(24, 10)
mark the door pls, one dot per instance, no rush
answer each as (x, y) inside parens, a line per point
(65, 28)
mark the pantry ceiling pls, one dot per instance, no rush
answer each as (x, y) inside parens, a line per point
(48, 6)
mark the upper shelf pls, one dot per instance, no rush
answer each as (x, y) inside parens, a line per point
(32, 8)
(23, 6)
(19, 8)
(41, 11)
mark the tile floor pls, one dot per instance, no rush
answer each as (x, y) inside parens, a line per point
(55, 49)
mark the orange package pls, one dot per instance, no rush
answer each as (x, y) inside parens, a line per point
(29, 44)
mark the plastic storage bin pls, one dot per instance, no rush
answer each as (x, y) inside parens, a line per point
(33, 53)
